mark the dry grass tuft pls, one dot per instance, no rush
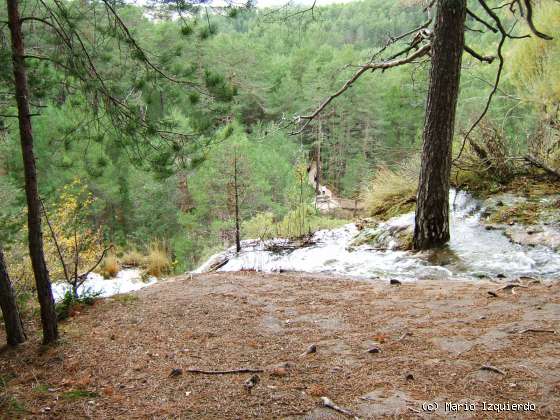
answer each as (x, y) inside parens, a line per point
(133, 258)
(393, 191)
(110, 266)
(158, 262)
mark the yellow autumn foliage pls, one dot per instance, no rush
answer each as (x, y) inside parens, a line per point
(68, 220)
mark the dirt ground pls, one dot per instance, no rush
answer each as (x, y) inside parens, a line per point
(115, 359)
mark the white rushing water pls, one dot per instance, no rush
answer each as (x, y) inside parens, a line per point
(472, 252)
(126, 281)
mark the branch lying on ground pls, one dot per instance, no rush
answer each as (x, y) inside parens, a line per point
(492, 369)
(225, 372)
(535, 330)
(369, 66)
(541, 165)
(512, 286)
(311, 349)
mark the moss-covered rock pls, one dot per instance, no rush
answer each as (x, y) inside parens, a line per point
(394, 236)
(526, 220)
(393, 206)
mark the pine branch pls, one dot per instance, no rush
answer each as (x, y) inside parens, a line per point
(362, 69)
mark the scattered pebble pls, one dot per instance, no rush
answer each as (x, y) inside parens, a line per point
(279, 371)
(251, 382)
(395, 282)
(311, 349)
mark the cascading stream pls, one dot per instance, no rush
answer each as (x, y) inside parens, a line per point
(473, 252)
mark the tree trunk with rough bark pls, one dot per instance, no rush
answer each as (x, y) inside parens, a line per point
(36, 252)
(432, 213)
(236, 187)
(12, 321)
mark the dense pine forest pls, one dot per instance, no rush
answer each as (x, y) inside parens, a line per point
(246, 75)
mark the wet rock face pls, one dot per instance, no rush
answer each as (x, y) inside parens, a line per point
(534, 235)
(524, 222)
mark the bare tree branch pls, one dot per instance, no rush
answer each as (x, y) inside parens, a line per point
(95, 265)
(395, 39)
(529, 19)
(488, 59)
(480, 20)
(369, 66)
(504, 35)
(53, 237)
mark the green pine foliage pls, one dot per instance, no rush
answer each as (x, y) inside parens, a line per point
(231, 84)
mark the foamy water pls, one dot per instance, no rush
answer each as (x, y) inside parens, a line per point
(475, 251)
(127, 280)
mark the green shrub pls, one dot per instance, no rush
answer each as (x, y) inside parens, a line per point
(297, 223)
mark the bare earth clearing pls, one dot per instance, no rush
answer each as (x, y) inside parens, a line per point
(117, 356)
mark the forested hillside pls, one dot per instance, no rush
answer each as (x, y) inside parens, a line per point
(244, 76)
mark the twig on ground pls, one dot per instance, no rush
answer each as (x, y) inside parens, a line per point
(536, 330)
(492, 369)
(512, 285)
(225, 372)
(414, 410)
(329, 404)
(176, 372)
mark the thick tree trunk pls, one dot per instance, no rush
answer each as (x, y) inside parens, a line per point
(432, 213)
(44, 292)
(12, 320)
(318, 179)
(236, 186)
